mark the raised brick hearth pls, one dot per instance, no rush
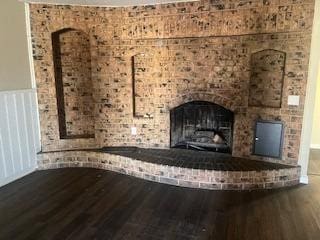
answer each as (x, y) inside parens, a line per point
(179, 167)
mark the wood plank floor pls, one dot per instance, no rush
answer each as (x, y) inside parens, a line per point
(96, 204)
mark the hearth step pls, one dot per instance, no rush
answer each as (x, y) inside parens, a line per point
(184, 168)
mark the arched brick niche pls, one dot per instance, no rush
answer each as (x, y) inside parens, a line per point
(266, 81)
(74, 90)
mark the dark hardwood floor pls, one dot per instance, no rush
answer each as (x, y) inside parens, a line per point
(96, 204)
(314, 162)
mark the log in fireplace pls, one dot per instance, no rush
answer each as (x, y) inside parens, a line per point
(201, 125)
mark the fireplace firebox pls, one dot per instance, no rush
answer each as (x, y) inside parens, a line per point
(203, 126)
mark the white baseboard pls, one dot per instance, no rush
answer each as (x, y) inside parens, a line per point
(16, 176)
(315, 146)
(304, 179)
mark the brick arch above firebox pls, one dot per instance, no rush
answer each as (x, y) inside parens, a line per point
(207, 97)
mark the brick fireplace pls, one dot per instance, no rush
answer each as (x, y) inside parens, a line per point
(246, 56)
(201, 126)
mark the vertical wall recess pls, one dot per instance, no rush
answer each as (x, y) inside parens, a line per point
(74, 90)
(144, 71)
(266, 82)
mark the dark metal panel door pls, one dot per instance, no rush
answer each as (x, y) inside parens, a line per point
(268, 139)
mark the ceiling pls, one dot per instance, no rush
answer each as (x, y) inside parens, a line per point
(109, 3)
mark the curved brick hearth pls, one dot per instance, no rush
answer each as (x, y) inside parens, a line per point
(266, 178)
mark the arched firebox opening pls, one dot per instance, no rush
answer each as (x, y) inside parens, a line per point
(203, 126)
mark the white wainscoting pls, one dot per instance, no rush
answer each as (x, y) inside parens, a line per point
(19, 134)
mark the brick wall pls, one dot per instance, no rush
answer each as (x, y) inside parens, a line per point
(180, 52)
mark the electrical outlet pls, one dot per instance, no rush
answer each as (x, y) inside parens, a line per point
(133, 131)
(293, 100)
